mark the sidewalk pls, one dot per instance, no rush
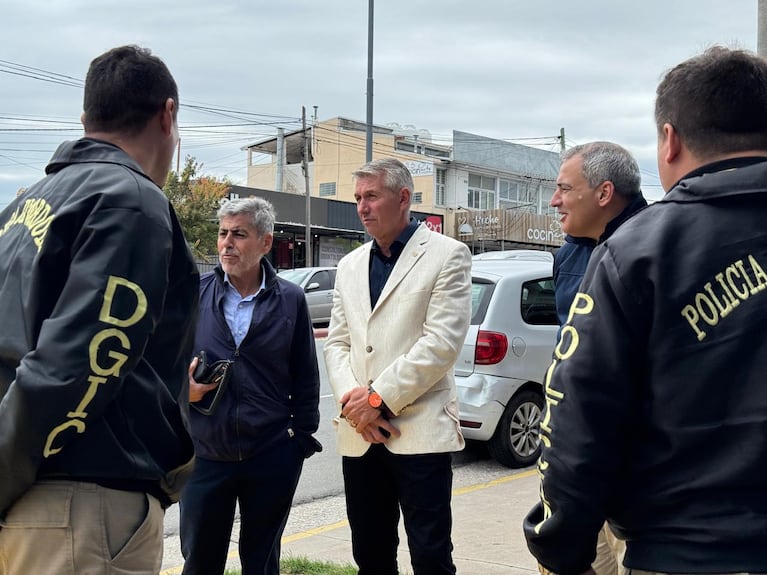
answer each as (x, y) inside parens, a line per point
(487, 532)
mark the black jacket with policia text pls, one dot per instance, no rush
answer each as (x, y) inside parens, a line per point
(656, 398)
(98, 301)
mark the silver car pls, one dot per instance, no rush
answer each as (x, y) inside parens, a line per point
(317, 284)
(506, 353)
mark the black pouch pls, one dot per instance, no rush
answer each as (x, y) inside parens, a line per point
(218, 372)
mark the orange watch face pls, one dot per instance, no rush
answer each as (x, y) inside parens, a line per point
(375, 400)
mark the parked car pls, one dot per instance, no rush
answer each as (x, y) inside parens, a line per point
(317, 284)
(515, 255)
(505, 355)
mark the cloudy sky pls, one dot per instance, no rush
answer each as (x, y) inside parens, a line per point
(507, 69)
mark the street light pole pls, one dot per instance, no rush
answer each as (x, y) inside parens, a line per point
(308, 244)
(369, 130)
(761, 29)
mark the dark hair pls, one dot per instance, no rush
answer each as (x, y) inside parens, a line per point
(395, 174)
(124, 89)
(603, 161)
(716, 102)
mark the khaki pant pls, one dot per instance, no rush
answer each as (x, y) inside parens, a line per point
(75, 528)
(610, 551)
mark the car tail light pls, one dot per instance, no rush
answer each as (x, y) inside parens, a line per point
(491, 347)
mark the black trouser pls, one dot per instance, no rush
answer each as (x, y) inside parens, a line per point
(377, 485)
(264, 487)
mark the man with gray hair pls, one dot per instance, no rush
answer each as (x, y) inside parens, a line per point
(251, 432)
(401, 309)
(656, 399)
(597, 190)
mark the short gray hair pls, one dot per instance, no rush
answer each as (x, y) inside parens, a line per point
(260, 211)
(603, 161)
(395, 174)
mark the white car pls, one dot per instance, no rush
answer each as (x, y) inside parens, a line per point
(318, 284)
(505, 355)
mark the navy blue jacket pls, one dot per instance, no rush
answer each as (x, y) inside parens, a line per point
(657, 404)
(98, 299)
(273, 394)
(570, 263)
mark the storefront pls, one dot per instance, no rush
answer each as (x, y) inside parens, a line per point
(490, 230)
(335, 230)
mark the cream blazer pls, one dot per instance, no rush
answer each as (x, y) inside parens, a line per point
(406, 347)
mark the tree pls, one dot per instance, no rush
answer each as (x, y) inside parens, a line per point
(196, 199)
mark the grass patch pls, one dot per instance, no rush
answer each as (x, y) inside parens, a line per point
(302, 566)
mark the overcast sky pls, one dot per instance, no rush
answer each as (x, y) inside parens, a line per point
(508, 69)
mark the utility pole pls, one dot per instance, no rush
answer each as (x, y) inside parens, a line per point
(761, 29)
(308, 243)
(369, 130)
(562, 140)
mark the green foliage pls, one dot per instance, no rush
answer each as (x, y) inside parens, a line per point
(303, 566)
(196, 199)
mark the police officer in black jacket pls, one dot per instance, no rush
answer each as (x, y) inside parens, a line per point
(656, 401)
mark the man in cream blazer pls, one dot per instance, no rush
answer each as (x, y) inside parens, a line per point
(401, 310)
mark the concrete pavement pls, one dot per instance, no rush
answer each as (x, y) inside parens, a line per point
(489, 503)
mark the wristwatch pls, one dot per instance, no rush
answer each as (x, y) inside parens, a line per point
(374, 400)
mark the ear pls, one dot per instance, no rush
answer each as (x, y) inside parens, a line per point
(605, 193)
(268, 240)
(404, 197)
(670, 144)
(167, 116)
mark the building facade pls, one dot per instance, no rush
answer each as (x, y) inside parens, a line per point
(489, 193)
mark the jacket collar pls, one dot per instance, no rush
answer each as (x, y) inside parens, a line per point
(635, 205)
(270, 274)
(715, 180)
(411, 253)
(91, 150)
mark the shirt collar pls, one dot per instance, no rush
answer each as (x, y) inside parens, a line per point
(402, 239)
(262, 287)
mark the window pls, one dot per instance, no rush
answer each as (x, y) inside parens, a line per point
(440, 180)
(322, 278)
(538, 306)
(481, 192)
(327, 189)
(417, 197)
(481, 290)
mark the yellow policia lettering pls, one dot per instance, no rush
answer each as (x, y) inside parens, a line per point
(553, 397)
(569, 339)
(36, 216)
(716, 301)
(546, 510)
(111, 340)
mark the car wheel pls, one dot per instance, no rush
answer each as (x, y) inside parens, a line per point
(517, 440)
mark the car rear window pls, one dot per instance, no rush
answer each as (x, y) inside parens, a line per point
(481, 291)
(538, 305)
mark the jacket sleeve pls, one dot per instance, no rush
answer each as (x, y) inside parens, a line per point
(109, 271)
(305, 388)
(433, 354)
(589, 389)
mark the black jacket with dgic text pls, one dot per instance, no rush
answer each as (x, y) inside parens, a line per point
(657, 407)
(98, 301)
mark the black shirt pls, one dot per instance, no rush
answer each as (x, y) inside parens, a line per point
(381, 266)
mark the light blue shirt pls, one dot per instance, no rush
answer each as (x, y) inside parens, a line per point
(238, 310)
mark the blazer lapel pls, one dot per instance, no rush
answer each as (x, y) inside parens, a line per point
(361, 267)
(410, 255)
